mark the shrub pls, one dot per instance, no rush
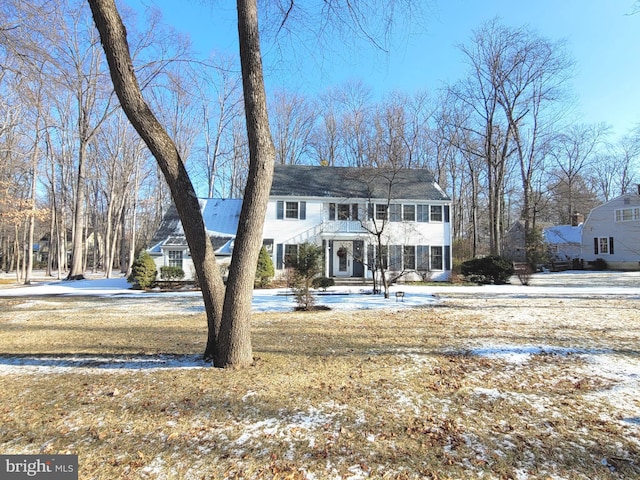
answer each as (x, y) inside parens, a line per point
(306, 266)
(323, 283)
(264, 271)
(491, 269)
(600, 264)
(143, 271)
(171, 273)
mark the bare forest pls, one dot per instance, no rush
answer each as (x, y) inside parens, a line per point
(80, 191)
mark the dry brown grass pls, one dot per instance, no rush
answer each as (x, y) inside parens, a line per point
(369, 394)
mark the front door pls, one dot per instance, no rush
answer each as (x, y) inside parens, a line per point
(342, 258)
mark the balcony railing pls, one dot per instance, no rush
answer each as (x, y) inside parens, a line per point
(343, 226)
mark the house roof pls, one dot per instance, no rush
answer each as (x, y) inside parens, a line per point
(220, 215)
(562, 234)
(354, 182)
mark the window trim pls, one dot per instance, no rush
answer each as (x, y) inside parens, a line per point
(606, 242)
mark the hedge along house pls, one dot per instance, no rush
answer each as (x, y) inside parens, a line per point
(361, 216)
(169, 244)
(611, 232)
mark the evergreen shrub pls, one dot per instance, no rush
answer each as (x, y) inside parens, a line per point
(486, 270)
(143, 271)
(264, 270)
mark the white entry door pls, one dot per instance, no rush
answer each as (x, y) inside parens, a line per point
(342, 259)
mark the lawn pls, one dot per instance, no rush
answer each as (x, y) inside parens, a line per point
(493, 388)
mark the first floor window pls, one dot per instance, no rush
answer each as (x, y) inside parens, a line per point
(377, 257)
(290, 253)
(436, 258)
(409, 257)
(175, 258)
(603, 245)
(267, 243)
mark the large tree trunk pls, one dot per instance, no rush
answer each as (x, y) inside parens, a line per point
(77, 259)
(235, 339)
(113, 37)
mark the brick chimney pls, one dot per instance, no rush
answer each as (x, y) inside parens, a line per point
(576, 219)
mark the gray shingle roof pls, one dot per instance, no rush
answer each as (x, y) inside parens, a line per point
(353, 182)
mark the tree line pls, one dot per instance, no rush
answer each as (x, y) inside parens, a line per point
(77, 181)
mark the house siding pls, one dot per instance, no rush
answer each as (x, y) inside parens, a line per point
(616, 242)
(319, 228)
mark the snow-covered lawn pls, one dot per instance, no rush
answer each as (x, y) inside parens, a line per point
(455, 382)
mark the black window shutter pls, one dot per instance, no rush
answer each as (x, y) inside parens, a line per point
(446, 214)
(370, 211)
(280, 210)
(303, 210)
(447, 254)
(279, 255)
(610, 245)
(595, 245)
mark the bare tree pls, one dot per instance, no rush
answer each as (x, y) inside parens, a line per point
(293, 118)
(228, 312)
(573, 153)
(529, 82)
(480, 95)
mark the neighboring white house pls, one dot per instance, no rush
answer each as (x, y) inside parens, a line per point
(612, 232)
(563, 244)
(342, 209)
(169, 245)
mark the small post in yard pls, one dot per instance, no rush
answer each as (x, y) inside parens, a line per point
(400, 295)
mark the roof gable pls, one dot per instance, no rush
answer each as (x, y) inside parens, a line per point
(352, 182)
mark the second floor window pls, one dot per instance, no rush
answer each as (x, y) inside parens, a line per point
(381, 211)
(291, 210)
(436, 213)
(409, 213)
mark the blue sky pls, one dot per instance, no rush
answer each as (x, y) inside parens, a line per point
(601, 37)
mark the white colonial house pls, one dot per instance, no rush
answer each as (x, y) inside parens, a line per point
(612, 232)
(345, 210)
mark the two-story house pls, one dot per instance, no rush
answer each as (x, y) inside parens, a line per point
(347, 209)
(359, 216)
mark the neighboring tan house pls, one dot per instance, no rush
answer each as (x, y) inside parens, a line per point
(342, 209)
(612, 232)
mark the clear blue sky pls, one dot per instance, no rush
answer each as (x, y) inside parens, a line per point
(602, 38)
